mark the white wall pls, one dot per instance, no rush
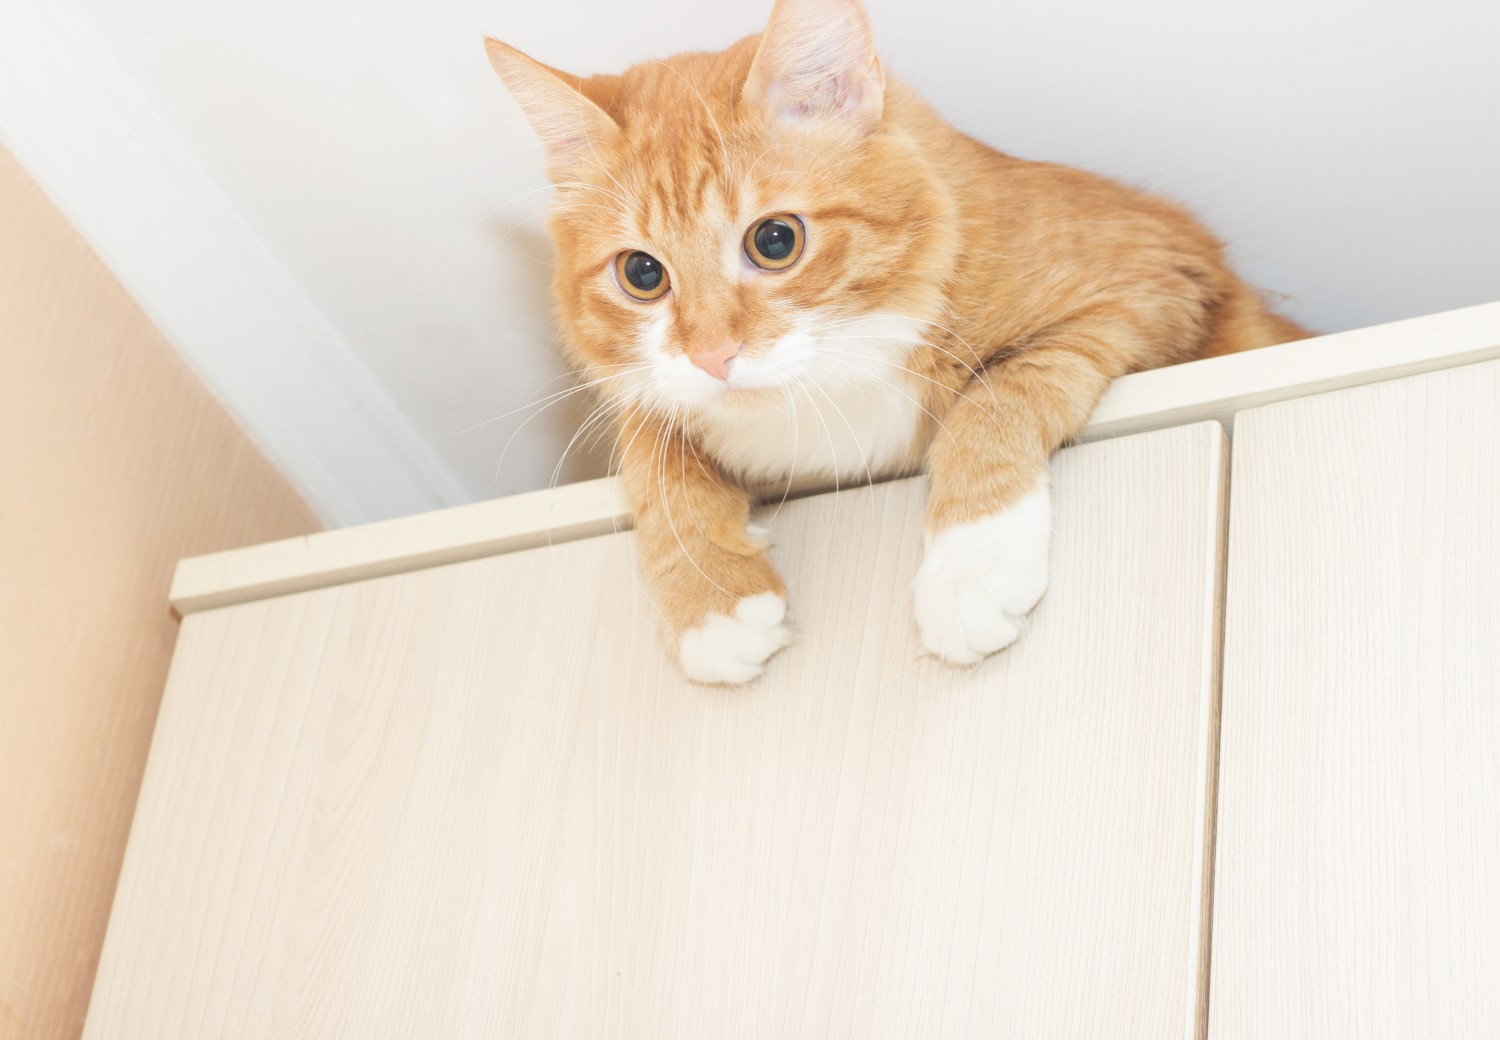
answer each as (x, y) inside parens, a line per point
(1350, 152)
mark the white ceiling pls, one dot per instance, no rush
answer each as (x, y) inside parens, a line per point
(1349, 152)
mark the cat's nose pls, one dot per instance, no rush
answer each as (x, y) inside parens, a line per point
(716, 362)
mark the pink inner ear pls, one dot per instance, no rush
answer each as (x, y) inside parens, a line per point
(819, 60)
(845, 92)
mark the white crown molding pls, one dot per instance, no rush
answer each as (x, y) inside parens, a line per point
(98, 148)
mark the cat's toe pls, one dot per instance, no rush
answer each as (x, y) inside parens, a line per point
(978, 581)
(734, 649)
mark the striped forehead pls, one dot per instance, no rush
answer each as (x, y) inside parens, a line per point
(683, 191)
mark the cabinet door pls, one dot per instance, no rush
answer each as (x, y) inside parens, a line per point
(1358, 890)
(477, 800)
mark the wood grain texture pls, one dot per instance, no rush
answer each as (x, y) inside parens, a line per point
(1359, 819)
(1213, 389)
(114, 462)
(477, 800)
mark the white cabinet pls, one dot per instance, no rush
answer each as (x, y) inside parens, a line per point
(1358, 888)
(436, 777)
(478, 800)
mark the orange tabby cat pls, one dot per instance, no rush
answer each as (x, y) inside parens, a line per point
(775, 262)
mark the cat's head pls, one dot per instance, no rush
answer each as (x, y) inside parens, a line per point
(731, 227)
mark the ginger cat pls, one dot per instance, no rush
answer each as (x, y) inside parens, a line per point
(777, 263)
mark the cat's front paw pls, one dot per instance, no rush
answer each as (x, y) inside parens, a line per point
(734, 649)
(978, 581)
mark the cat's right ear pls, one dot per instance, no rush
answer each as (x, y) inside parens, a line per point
(816, 60)
(573, 128)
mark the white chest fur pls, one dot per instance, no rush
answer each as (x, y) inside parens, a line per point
(839, 431)
(843, 406)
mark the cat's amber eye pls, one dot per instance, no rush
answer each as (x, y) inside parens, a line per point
(775, 243)
(641, 276)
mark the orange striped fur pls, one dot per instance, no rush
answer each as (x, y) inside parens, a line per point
(958, 309)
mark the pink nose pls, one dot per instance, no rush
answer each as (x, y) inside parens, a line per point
(716, 362)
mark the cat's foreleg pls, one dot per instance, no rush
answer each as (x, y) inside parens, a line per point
(989, 509)
(723, 602)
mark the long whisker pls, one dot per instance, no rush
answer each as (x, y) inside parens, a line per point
(619, 455)
(601, 429)
(554, 400)
(895, 389)
(791, 463)
(976, 374)
(833, 455)
(833, 451)
(601, 413)
(615, 455)
(682, 482)
(561, 204)
(869, 477)
(506, 205)
(661, 489)
(555, 397)
(906, 371)
(574, 374)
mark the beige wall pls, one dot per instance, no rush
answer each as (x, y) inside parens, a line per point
(114, 462)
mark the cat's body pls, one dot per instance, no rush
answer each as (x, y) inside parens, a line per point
(941, 305)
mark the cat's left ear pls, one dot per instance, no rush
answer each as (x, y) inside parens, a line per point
(817, 60)
(573, 128)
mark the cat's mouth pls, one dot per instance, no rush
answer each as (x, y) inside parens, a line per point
(750, 380)
(737, 396)
(761, 382)
(758, 395)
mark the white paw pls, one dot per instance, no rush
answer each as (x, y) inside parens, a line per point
(978, 580)
(734, 650)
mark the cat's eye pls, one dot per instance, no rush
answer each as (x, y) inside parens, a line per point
(775, 243)
(641, 275)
